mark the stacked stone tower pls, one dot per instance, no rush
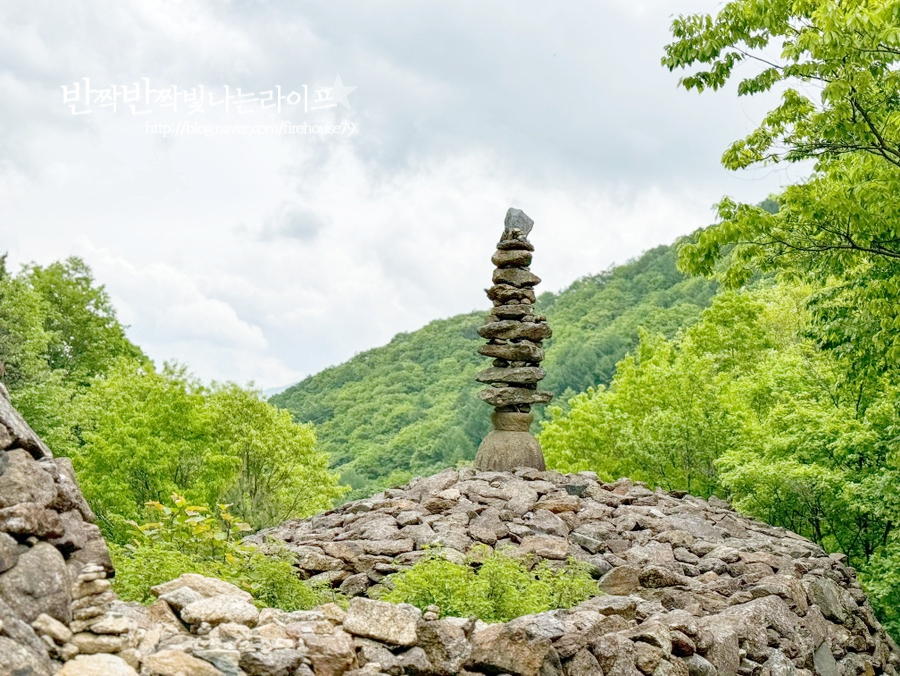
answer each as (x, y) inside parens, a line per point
(514, 334)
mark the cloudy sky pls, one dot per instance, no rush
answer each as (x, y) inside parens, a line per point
(253, 254)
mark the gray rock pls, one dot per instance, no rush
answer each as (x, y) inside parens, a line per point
(181, 597)
(835, 603)
(16, 659)
(545, 522)
(19, 631)
(312, 558)
(97, 665)
(487, 527)
(779, 665)
(723, 654)
(22, 435)
(653, 553)
(388, 622)
(414, 661)
(45, 625)
(524, 351)
(545, 546)
(698, 666)
(499, 648)
(219, 609)
(94, 551)
(513, 396)
(510, 329)
(24, 480)
(176, 663)
(281, 662)
(207, 587)
(38, 583)
(616, 655)
(583, 664)
(824, 661)
(355, 585)
(9, 552)
(516, 219)
(75, 536)
(445, 645)
(332, 653)
(520, 375)
(68, 495)
(726, 554)
(226, 661)
(29, 518)
(621, 581)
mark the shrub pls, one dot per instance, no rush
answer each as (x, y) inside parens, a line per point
(492, 585)
(186, 538)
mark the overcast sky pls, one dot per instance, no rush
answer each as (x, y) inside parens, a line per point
(254, 255)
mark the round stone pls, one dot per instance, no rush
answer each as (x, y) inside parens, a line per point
(503, 451)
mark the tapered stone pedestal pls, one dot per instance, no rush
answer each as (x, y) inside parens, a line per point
(509, 445)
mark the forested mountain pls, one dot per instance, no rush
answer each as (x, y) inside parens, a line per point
(411, 405)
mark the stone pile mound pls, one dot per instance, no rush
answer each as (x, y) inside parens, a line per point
(691, 587)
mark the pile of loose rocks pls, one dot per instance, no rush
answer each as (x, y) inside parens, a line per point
(691, 587)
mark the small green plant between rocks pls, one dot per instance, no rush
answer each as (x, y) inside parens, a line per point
(186, 538)
(495, 586)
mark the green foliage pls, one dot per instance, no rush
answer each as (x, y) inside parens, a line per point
(666, 416)
(881, 579)
(838, 65)
(745, 404)
(410, 407)
(498, 588)
(187, 538)
(57, 330)
(146, 434)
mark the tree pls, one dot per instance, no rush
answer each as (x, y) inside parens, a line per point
(840, 107)
(146, 434)
(86, 336)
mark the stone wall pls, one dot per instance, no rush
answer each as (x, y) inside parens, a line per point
(48, 540)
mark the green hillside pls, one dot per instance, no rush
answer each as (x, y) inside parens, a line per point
(410, 407)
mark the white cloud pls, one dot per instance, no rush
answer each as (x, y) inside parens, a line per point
(267, 257)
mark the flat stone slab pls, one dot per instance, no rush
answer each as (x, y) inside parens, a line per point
(509, 396)
(521, 375)
(511, 311)
(512, 258)
(527, 352)
(388, 622)
(506, 293)
(518, 277)
(508, 329)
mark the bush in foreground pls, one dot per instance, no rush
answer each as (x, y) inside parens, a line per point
(492, 585)
(186, 538)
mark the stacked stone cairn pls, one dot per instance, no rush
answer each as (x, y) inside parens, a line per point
(514, 334)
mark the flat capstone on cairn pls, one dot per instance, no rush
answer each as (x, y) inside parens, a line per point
(514, 334)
